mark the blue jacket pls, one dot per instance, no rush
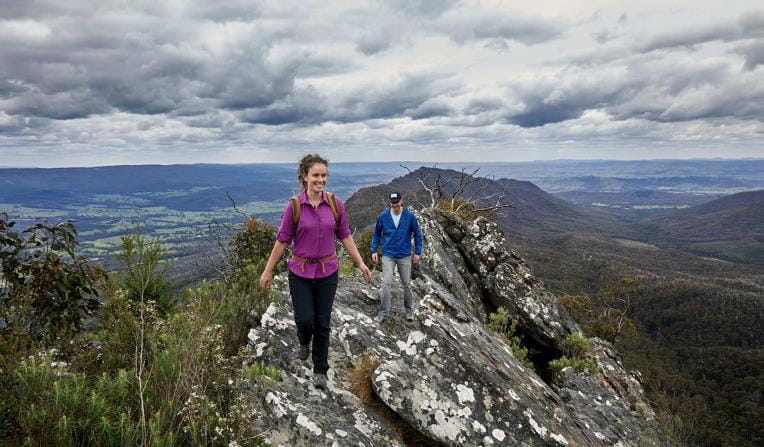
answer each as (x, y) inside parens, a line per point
(396, 242)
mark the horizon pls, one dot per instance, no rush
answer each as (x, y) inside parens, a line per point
(423, 163)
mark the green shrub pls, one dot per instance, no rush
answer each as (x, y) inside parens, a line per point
(259, 372)
(47, 291)
(363, 242)
(252, 244)
(145, 274)
(237, 305)
(347, 267)
(48, 288)
(506, 326)
(586, 366)
(577, 355)
(64, 408)
(606, 314)
(576, 346)
(145, 374)
(189, 394)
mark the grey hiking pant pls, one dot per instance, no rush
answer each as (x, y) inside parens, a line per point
(388, 269)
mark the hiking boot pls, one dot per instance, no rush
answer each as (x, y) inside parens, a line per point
(410, 316)
(380, 318)
(319, 381)
(304, 352)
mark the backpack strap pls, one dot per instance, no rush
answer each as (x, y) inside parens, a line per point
(295, 203)
(333, 205)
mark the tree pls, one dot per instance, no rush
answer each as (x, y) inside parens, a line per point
(606, 315)
(145, 277)
(464, 193)
(46, 288)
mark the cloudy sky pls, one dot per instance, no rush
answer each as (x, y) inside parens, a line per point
(102, 82)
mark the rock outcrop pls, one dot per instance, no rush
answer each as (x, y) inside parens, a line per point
(446, 376)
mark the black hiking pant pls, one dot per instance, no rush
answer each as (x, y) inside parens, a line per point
(312, 300)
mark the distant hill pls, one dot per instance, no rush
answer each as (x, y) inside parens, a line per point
(186, 187)
(640, 197)
(200, 187)
(731, 217)
(534, 214)
(730, 228)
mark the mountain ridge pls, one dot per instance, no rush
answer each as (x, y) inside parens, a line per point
(446, 375)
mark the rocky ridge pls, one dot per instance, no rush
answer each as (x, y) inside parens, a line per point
(446, 376)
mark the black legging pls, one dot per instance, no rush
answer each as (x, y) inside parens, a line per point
(312, 300)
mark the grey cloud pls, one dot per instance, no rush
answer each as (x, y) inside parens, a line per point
(423, 8)
(375, 41)
(9, 88)
(484, 104)
(13, 125)
(748, 25)
(447, 18)
(430, 109)
(141, 65)
(753, 54)
(402, 98)
(315, 64)
(652, 89)
(414, 95)
(62, 106)
(603, 36)
(279, 114)
(539, 113)
(23, 9)
(468, 25)
(239, 10)
(564, 97)
(500, 45)
(139, 61)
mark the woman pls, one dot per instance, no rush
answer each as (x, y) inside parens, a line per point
(313, 265)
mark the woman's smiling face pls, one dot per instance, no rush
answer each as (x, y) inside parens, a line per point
(316, 177)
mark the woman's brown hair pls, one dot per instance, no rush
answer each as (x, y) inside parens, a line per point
(306, 163)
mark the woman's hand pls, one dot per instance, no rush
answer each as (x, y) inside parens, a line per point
(366, 272)
(266, 278)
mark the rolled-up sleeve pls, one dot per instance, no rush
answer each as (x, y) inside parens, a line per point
(343, 226)
(286, 229)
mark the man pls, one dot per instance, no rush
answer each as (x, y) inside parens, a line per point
(395, 226)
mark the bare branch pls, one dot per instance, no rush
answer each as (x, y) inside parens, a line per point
(233, 202)
(498, 205)
(434, 189)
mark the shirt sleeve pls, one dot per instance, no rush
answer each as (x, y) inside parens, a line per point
(375, 235)
(417, 235)
(286, 229)
(343, 226)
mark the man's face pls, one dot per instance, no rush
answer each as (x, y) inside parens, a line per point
(397, 207)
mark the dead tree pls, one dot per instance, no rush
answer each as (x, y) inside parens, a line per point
(454, 192)
(218, 234)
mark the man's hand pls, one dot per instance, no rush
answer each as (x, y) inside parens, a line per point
(415, 258)
(265, 279)
(374, 257)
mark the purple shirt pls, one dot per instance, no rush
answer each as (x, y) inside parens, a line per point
(316, 231)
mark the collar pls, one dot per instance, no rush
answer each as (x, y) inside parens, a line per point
(304, 198)
(390, 211)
